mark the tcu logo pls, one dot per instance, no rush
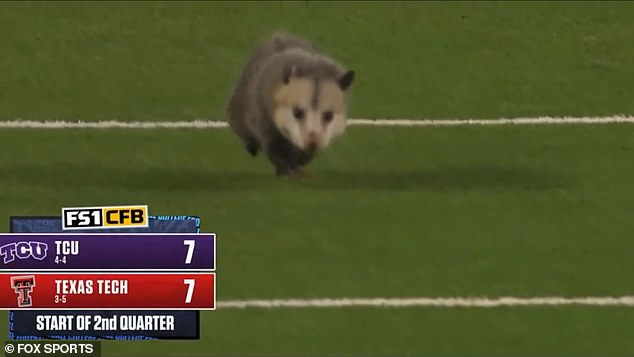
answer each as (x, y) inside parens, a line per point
(23, 286)
(23, 250)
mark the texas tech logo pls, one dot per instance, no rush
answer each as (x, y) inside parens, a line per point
(105, 217)
(23, 286)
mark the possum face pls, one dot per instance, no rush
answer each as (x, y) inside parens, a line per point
(311, 112)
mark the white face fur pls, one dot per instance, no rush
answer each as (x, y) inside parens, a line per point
(310, 114)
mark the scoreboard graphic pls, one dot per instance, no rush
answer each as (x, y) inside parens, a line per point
(126, 282)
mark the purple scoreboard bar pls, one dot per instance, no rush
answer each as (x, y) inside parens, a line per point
(107, 252)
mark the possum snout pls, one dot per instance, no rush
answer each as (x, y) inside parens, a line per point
(313, 140)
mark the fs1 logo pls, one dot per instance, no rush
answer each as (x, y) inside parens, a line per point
(104, 217)
(23, 250)
(23, 286)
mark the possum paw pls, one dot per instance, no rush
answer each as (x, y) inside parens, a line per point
(299, 174)
(292, 173)
(279, 171)
(252, 149)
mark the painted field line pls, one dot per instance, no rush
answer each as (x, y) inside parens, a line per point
(427, 302)
(213, 124)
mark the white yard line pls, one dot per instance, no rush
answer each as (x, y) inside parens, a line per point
(427, 302)
(211, 124)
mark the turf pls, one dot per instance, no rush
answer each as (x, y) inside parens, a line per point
(464, 211)
(178, 60)
(426, 332)
(489, 211)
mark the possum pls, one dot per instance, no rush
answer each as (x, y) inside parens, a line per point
(290, 102)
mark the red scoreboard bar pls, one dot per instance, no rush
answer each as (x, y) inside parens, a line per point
(120, 291)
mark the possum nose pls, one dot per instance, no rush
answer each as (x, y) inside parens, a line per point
(312, 143)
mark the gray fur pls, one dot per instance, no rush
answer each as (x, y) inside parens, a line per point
(250, 107)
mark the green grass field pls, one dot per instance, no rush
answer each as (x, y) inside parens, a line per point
(467, 211)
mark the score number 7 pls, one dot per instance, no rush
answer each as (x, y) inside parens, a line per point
(190, 289)
(191, 244)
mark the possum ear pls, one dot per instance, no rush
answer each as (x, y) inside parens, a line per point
(289, 72)
(346, 80)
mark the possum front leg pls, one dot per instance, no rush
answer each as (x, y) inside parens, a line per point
(248, 140)
(239, 119)
(287, 159)
(252, 146)
(281, 157)
(282, 166)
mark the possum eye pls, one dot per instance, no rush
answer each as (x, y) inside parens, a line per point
(298, 113)
(327, 117)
